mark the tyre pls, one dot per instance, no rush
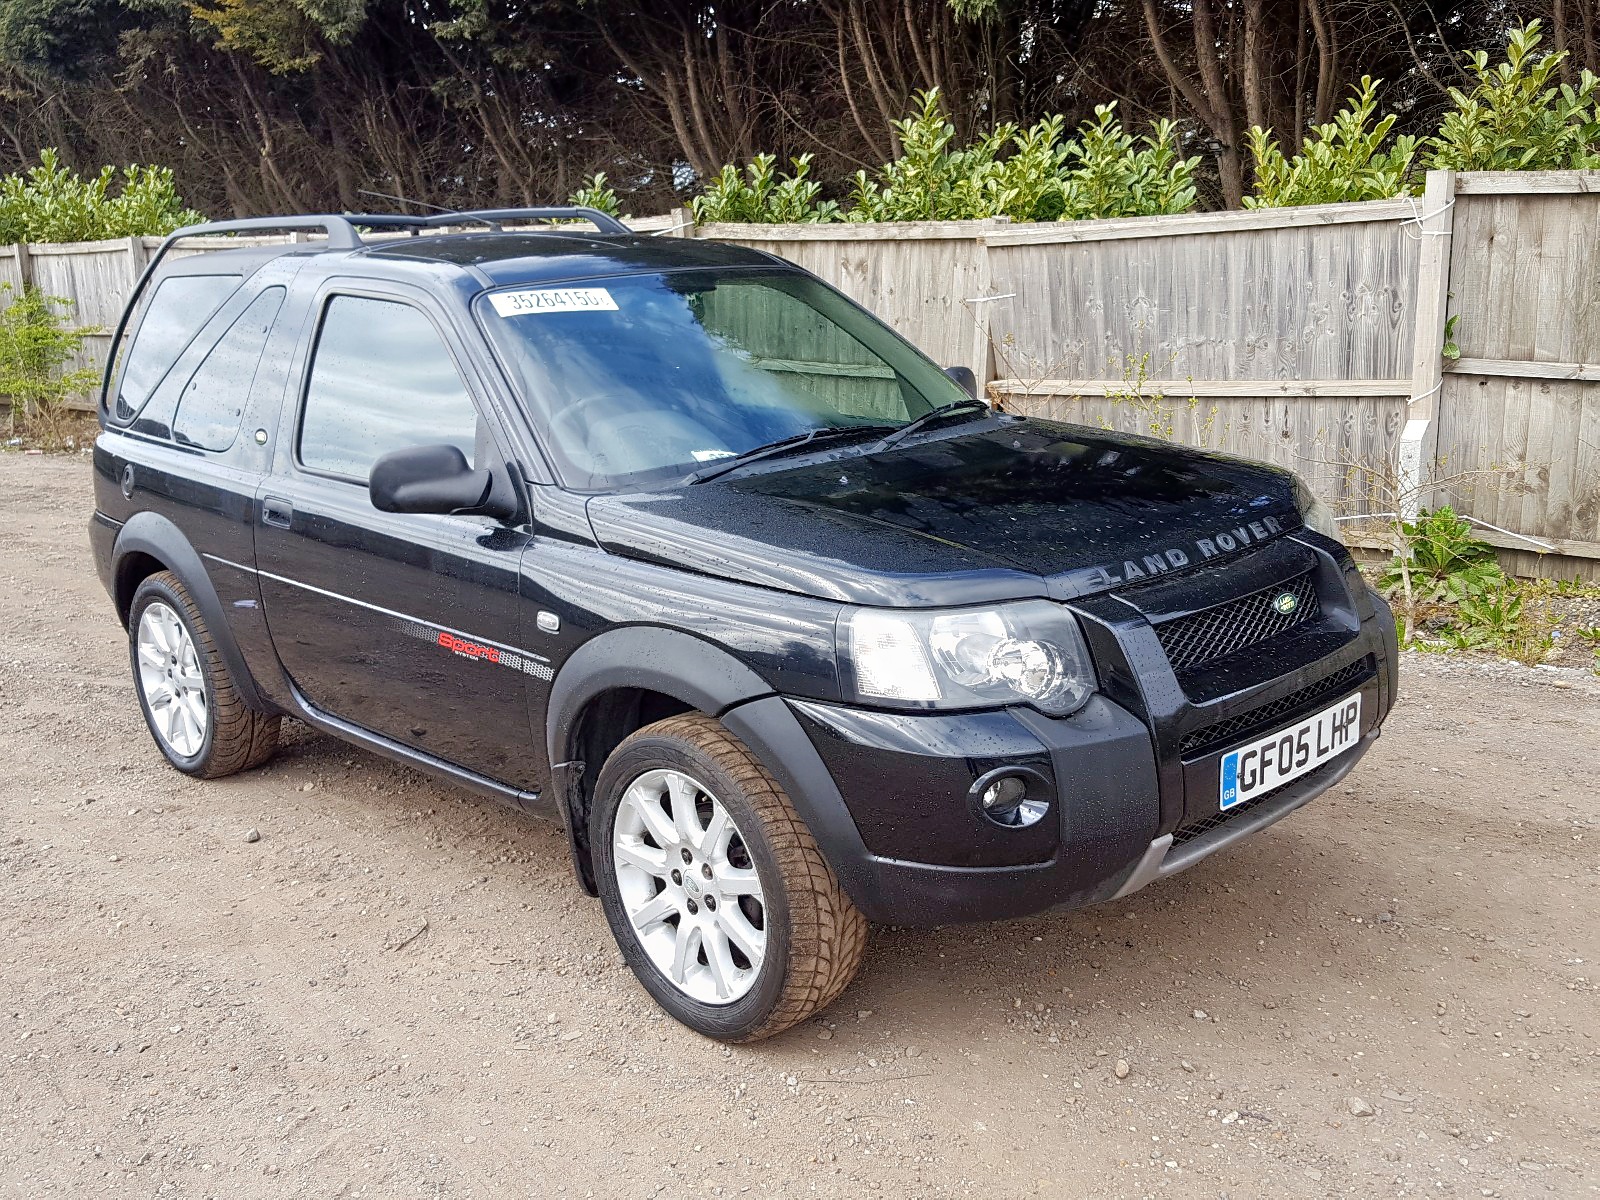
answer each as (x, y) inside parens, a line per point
(714, 887)
(189, 702)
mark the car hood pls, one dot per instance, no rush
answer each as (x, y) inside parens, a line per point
(1000, 509)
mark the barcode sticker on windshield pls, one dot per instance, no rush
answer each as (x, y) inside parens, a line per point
(548, 300)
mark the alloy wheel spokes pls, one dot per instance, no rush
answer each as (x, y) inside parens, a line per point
(689, 887)
(169, 674)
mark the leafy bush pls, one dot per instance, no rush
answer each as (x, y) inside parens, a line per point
(762, 196)
(1450, 582)
(1343, 160)
(52, 203)
(933, 180)
(1515, 118)
(35, 344)
(597, 193)
(1112, 174)
(1443, 562)
(1025, 174)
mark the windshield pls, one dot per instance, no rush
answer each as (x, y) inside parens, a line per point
(643, 378)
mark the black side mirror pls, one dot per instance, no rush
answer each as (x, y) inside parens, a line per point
(428, 479)
(965, 377)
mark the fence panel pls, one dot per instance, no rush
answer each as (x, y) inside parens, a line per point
(1282, 335)
(1519, 413)
(95, 277)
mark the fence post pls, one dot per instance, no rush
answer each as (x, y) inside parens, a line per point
(1419, 441)
(24, 265)
(981, 306)
(138, 256)
(682, 223)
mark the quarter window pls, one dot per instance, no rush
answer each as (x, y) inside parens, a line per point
(213, 400)
(381, 380)
(180, 306)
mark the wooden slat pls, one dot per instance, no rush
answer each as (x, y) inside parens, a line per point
(920, 287)
(1307, 388)
(1564, 547)
(51, 249)
(851, 231)
(677, 223)
(1237, 221)
(1526, 183)
(1512, 368)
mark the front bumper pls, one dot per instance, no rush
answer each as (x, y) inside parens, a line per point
(1135, 772)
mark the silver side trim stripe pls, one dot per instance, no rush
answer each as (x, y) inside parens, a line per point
(428, 631)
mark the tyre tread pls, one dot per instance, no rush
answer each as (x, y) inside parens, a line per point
(828, 934)
(241, 738)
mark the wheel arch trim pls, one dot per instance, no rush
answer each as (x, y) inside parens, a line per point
(650, 658)
(713, 681)
(155, 536)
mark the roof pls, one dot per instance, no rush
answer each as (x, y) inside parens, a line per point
(557, 254)
(493, 259)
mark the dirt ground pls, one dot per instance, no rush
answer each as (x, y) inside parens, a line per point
(399, 991)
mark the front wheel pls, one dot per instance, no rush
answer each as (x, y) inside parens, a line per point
(714, 887)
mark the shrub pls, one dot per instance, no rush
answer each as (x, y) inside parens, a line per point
(1343, 160)
(762, 196)
(1516, 119)
(1112, 174)
(52, 203)
(597, 193)
(35, 344)
(1442, 563)
(1025, 174)
(933, 180)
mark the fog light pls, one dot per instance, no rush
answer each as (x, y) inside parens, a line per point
(1012, 799)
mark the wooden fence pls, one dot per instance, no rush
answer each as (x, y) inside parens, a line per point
(1309, 337)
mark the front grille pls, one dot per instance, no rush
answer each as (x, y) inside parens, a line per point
(1187, 833)
(1258, 720)
(1203, 637)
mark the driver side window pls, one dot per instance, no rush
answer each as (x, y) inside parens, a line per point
(381, 379)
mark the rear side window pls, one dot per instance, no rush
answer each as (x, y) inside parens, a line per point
(180, 306)
(381, 380)
(213, 400)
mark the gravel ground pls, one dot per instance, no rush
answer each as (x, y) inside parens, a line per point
(397, 990)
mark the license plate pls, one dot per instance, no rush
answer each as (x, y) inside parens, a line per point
(1284, 756)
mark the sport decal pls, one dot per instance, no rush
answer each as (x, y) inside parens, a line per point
(463, 647)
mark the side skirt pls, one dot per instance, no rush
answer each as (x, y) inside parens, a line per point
(522, 801)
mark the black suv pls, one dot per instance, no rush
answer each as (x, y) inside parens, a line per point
(674, 544)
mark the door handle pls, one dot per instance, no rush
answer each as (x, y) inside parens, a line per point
(277, 512)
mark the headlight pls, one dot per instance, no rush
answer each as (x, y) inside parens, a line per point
(1030, 652)
(1314, 512)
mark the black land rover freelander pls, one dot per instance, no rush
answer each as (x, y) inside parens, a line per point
(670, 542)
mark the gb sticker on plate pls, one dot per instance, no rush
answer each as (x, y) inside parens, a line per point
(552, 300)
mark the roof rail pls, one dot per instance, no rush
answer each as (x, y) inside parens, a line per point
(341, 233)
(602, 221)
(341, 229)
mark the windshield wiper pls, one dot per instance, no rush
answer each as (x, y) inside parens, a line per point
(927, 418)
(781, 446)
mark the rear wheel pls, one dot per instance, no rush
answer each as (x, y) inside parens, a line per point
(714, 887)
(189, 702)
